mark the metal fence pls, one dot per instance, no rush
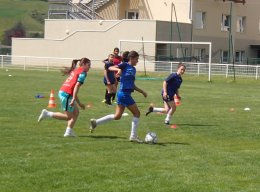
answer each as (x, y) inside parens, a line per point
(52, 64)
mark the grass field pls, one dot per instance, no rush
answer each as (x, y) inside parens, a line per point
(212, 149)
(13, 11)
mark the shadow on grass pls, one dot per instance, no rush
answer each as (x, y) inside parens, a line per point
(195, 125)
(171, 143)
(103, 137)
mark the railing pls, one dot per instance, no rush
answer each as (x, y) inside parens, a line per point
(53, 63)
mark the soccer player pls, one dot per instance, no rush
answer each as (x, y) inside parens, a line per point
(127, 72)
(171, 87)
(68, 95)
(109, 80)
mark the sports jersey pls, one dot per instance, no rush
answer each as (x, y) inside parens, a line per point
(110, 74)
(77, 75)
(117, 60)
(127, 77)
(173, 83)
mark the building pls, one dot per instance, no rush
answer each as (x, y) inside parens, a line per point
(233, 27)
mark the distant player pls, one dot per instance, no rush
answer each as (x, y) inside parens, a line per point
(127, 73)
(109, 80)
(171, 87)
(68, 95)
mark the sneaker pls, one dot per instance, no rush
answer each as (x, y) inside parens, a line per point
(167, 122)
(93, 125)
(43, 115)
(103, 101)
(135, 139)
(150, 110)
(69, 134)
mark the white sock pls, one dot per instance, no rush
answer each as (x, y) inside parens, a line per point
(168, 117)
(155, 109)
(105, 119)
(134, 127)
(49, 113)
(68, 130)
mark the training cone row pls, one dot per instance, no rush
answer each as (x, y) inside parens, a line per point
(177, 100)
(52, 100)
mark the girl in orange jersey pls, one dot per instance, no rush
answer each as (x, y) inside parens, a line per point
(68, 95)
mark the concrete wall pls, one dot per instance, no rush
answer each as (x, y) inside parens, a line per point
(85, 38)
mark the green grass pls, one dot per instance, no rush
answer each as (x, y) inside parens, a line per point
(13, 11)
(212, 149)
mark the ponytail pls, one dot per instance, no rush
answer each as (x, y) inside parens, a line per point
(68, 70)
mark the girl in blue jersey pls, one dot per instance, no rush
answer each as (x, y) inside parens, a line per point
(109, 80)
(127, 72)
(171, 87)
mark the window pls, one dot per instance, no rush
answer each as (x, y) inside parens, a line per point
(132, 15)
(182, 52)
(239, 56)
(224, 57)
(200, 20)
(241, 23)
(225, 23)
(199, 53)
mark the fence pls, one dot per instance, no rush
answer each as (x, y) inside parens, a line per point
(52, 63)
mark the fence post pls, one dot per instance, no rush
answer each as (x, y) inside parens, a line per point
(48, 65)
(256, 77)
(2, 61)
(171, 67)
(198, 69)
(227, 71)
(24, 63)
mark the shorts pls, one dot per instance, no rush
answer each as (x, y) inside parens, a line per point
(169, 98)
(65, 100)
(125, 98)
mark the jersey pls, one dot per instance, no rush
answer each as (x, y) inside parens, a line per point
(117, 60)
(77, 75)
(110, 74)
(127, 77)
(173, 83)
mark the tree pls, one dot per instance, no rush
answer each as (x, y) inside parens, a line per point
(18, 30)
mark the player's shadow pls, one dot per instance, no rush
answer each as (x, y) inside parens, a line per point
(195, 125)
(103, 137)
(171, 143)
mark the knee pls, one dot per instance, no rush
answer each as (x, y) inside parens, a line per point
(137, 114)
(117, 117)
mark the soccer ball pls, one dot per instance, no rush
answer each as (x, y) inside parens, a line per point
(151, 138)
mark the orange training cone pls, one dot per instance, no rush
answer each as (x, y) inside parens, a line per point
(177, 100)
(52, 100)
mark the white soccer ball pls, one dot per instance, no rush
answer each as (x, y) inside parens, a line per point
(151, 138)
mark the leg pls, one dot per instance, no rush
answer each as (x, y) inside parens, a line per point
(136, 113)
(171, 109)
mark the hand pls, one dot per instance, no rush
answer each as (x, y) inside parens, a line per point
(165, 96)
(144, 94)
(82, 106)
(72, 102)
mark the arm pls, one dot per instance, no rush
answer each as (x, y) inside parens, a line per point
(140, 91)
(165, 94)
(105, 74)
(116, 69)
(75, 96)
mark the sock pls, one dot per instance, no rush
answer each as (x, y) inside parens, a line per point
(49, 113)
(134, 127)
(168, 117)
(113, 96)
(106, 94)
(108, 100)
(155, 109)
(105, 119)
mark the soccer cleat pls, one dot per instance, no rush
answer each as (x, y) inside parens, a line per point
(167, 122)
(135, 139)
(43, 115)
(69, 134)
(150, 110)
(93, 125)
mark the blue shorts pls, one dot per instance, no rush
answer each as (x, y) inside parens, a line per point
(65, 99)
(169, 98)
(125, 98)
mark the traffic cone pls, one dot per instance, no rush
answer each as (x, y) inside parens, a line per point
(52, 100)
(177, 100)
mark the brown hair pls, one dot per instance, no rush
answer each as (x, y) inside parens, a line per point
(83, 61)
(133, 54)
(180, 65)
